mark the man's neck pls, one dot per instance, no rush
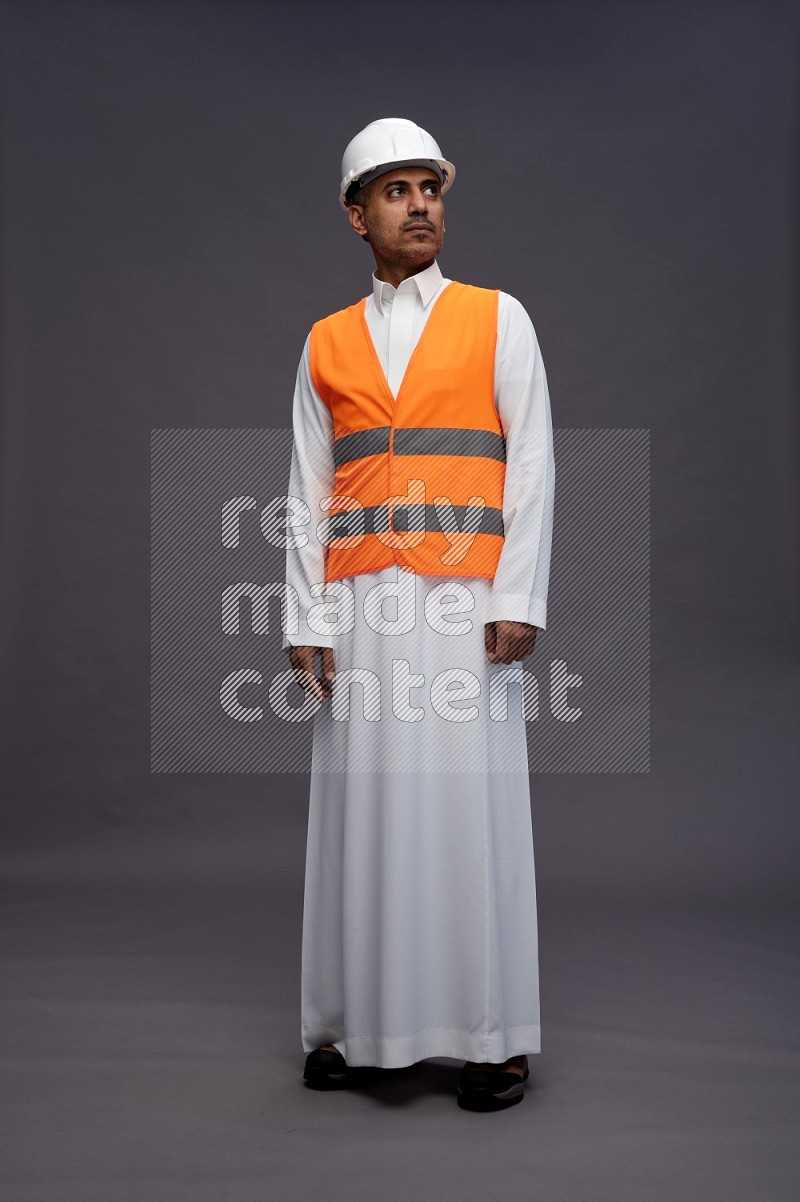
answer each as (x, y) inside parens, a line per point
(395, 273)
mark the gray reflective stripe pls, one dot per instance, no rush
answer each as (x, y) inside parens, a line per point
(361, 444)
(415, 517)
(420, 440)
(428, 440)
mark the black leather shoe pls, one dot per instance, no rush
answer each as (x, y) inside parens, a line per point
(330, 1070)
(487, 1089)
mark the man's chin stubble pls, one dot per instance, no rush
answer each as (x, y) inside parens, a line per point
(418, 252)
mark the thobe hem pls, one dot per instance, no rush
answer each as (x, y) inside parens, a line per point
(399, 1051)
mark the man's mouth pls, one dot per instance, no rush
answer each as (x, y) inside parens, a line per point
(418, 228)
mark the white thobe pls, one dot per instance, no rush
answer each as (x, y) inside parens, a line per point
(419, 923)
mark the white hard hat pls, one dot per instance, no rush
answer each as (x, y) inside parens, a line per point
(391, 142)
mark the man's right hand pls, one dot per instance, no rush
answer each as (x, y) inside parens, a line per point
(302, 661)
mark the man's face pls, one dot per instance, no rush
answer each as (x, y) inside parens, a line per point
(403, 217)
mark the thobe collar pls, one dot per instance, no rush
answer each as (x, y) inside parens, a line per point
(427, 283)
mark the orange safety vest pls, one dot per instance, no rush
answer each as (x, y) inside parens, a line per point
(419, 479)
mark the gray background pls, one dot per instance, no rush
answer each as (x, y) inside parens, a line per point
(169, 232)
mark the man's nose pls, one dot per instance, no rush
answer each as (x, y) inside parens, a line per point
(417, 201)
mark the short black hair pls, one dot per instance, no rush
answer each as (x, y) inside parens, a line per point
(356, 194)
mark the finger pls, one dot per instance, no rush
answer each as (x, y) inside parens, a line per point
(325, 686)
(308, 683)
(515, 650)
(303, 666)
(501, 650)
(328, 664)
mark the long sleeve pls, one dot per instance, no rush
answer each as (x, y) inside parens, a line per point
(311, 478)
(519, 588)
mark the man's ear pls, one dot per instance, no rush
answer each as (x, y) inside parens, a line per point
(355, 214)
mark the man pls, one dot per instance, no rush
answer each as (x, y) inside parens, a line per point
(422, 427)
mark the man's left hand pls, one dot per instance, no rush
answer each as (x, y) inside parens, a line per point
(507, 642)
